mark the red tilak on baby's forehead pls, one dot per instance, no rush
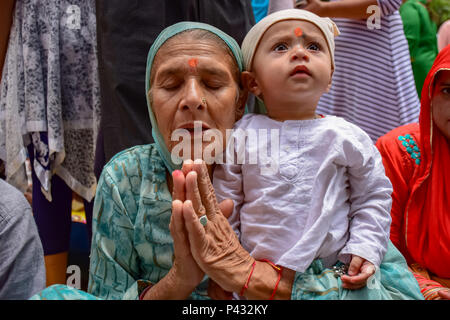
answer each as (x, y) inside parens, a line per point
(298, 32)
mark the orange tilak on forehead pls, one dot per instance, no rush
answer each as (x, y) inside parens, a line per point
(298, 32)
(193, 62)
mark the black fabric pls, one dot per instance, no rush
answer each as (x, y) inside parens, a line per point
(125, 32)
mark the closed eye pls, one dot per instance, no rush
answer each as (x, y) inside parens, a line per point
(214, 85)
(173, 85)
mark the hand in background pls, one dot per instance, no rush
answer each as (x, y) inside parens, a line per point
(314, 6)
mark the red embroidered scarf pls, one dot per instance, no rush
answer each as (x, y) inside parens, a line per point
(428, 208)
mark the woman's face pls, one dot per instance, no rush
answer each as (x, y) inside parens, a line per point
(441, 102)
(193, 80)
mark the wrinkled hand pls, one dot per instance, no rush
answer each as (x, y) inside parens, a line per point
(216, 292)
(359, 272)
(214, 247)
(185, 270)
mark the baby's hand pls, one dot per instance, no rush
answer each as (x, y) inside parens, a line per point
(359, 272)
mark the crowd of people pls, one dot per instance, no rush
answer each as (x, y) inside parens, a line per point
(355, 205)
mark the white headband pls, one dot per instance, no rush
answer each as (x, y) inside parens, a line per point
(251, 40)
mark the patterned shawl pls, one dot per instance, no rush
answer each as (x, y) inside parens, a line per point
(49, 95)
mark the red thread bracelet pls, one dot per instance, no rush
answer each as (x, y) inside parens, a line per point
(276, 285)
(141, 296)
(248, 280)
(279, 269)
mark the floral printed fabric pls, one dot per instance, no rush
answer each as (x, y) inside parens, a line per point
(49, 94)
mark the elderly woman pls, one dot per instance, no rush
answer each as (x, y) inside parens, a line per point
(158, 229)
(416, 158)
(184, 83)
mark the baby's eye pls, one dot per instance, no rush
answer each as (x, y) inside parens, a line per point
(280, 47)
(446, 90)
(314, 47)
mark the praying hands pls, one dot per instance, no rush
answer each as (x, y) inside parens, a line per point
(213, 244)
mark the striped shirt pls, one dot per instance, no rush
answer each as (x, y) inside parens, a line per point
(373, 84)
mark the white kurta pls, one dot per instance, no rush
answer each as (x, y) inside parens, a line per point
(329, 197)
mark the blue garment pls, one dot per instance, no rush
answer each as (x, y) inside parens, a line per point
(22, 268)
(260, 8)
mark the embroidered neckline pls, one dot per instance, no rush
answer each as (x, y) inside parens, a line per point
(411, 147)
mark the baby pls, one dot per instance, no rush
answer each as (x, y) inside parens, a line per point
(329, 198)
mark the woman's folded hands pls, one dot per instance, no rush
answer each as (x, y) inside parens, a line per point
(214, 246)
(203, 235)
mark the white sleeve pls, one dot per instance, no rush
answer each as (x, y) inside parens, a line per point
(371, 201)
(227, 182)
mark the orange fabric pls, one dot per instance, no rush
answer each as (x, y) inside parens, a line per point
(429, 288)
(399, 167)
(421, 198)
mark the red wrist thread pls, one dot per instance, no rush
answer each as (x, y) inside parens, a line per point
(141, 296)
(279, 269)
(245, 287)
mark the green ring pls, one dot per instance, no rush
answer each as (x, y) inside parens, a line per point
(203, 220)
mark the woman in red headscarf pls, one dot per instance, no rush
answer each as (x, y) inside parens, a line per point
(417, 160)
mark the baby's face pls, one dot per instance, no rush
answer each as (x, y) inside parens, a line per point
(292, 62)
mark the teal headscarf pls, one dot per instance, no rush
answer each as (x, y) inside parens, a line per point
(165, 35)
